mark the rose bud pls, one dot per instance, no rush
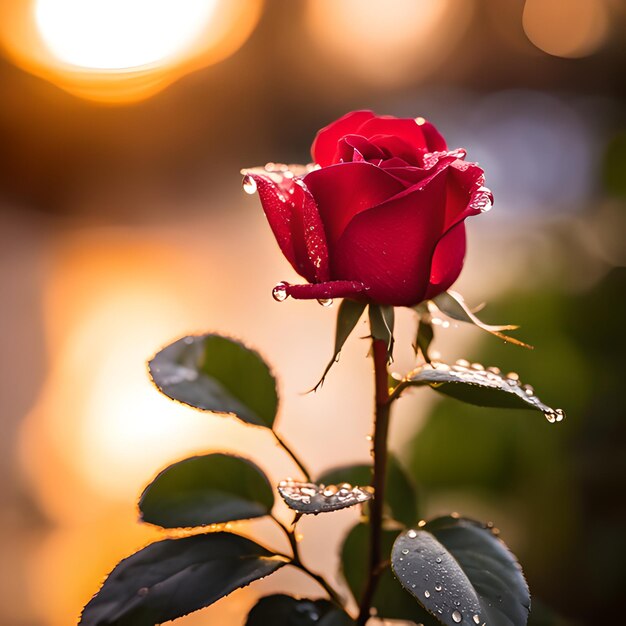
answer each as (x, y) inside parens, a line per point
(380, 215)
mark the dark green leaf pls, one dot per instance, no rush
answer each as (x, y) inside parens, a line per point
(348, 316)
(217, 374)
(424, 338)
(461, 572)
(381, 324)
(203, 490)
(483, 387)
(401, 497)
(171, 578)
(390, 599)
(283, 610)
(310, 498)
(454, 306)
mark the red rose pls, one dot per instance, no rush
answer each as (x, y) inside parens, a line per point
(379, 217)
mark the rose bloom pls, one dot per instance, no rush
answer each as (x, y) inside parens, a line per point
(380, 215)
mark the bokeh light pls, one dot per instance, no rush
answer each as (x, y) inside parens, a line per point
(566, 28)
(116, 51)
(390, 42)
(144, 31)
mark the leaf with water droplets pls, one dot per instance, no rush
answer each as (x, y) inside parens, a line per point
(400, 492)
(218, 374)
(348, 316)
(210, 489)
(391, 601)
(283, 610)
(454, 306)
(487, 387)
(462, 573)
(174, 577)
(311, 498)
(382, 320)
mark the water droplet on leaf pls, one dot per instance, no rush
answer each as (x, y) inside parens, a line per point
(326, 301)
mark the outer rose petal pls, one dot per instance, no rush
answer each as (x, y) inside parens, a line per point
(324, 145)
(343, 190)
(296, 224)
(330, 289)
(389, 248)
(463, 181)
(447, 261)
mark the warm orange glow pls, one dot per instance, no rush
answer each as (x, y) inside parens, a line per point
(389, 42)
(118, 51)
(566, 28)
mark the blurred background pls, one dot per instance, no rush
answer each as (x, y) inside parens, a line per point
(123, 126)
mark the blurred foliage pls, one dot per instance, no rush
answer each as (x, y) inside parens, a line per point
(556, 490)
(614, 170)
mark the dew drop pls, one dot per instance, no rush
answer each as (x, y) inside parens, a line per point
(463, 363)
(550, 416)
(457, 617)
(476, 619)
(560, 415)
(412, 534)
(438, 559)
(279, 293)
(405, 551)
(249, 184)
(427, 594)
(326, 301)
(438, 587)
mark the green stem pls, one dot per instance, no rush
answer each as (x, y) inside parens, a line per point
(296, 561)
(381, 431)
(281, 442)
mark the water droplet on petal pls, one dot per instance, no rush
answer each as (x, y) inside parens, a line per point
(326, 301)
(412, 534)
(427, 594)
(438, 587)
(249, 184)
(457, 617)
(438, 559)
(463, 363)
(279, 293)
(405, 551)
(476, 619)
(482, 200)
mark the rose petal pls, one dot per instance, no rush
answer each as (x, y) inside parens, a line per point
(416, 132)
(397, 147)
(326, 290)
(296, 224)
(447, 260)
(352, 145)
(389, 248)
(343, 190)
(324, 145)
(463, 181)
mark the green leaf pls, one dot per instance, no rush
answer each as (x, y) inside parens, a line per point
(454, 306)
(400, 492)
(283, 610)
(348, 317)
(311, 498)
(483, 387)
(424, 338)
(171, 578)
(203, 490)
(461, 572)
(382, 319)
(217, 374)
(390, 599)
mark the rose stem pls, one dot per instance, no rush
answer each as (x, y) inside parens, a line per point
(296, 561)
(381, 429)
(281, 442)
